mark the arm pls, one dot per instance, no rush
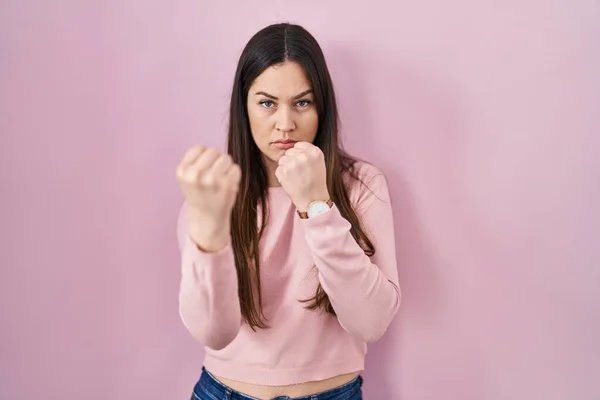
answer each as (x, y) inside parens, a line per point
(208, 295)
(363, 291)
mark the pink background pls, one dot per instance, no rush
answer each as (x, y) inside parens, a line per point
(486, 118)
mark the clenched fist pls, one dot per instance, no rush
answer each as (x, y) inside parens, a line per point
(302, 174)
(209, 181)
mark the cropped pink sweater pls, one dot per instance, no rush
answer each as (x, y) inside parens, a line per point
(300, 345)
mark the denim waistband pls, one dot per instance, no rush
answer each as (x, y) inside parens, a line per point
(218, 389)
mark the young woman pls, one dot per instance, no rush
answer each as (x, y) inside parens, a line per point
(288, 260)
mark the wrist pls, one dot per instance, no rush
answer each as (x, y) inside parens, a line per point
(315, 208)
(304, 203)
(210, 243)
(208, 233)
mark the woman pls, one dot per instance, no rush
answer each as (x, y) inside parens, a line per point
(287, 243)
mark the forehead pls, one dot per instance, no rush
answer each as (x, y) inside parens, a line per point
(287, 79)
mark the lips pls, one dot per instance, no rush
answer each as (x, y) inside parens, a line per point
(284, 144)
(286, 141)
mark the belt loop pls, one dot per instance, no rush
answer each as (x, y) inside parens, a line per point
(227, 394)
(314, 397)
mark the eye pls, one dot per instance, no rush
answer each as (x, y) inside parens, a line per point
(303, 103)
(267, 103)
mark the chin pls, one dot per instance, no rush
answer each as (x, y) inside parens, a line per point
(273, 157)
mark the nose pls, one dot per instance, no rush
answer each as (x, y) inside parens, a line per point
(285, 120)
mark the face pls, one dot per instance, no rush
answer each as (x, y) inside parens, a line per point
(281, 110)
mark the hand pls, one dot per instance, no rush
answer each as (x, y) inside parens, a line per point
(302, 174)
(209, 181)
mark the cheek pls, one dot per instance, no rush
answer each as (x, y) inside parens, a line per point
(310, 126)
(259, 126)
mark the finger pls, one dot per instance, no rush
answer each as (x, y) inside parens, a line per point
(221, 165)
(309, 149)
(285, 159)
(190, 156)
(303, 146)
(294, 151)
(204, 161)
(297, 156)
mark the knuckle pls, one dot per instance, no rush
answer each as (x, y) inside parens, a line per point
(189, 177)
(226, 160)
(179, 173)
(208, 180)
(212, 151)
(193, 152)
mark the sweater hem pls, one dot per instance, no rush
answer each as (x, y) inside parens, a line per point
(280, 377)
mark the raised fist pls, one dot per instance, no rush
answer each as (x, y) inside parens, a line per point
(209, 181)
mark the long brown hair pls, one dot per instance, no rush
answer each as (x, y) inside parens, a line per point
(273, 45)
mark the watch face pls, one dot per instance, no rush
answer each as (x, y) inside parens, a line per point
(316, 208)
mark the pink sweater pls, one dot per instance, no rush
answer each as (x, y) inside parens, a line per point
(300, 345)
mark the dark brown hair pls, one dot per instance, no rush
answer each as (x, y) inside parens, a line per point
(273, 45)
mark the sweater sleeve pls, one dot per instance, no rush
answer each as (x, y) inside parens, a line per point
(364, 291)
(209, 305)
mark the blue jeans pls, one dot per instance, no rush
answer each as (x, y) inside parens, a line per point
(209, 388)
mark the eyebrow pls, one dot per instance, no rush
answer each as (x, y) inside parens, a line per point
(275, 98)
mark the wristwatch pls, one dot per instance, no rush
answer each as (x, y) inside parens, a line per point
(315, 208)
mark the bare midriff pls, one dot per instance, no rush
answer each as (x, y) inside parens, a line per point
(297, 390)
